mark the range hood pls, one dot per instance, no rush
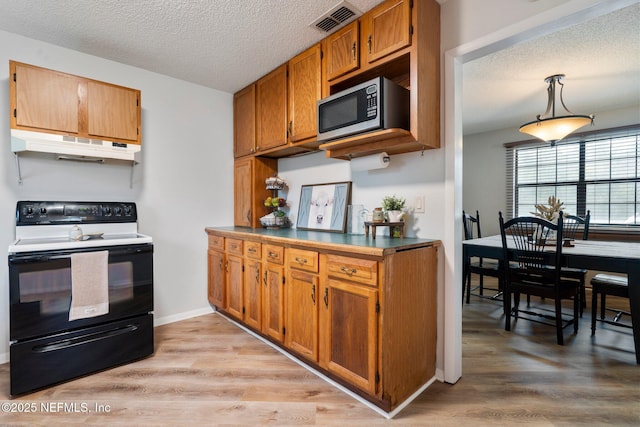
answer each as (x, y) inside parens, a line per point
(72, 148)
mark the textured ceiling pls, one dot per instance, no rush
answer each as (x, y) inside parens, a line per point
(222, 44)
(227, 44)
(600, 59)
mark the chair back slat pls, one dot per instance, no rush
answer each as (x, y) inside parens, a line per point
(471, 226)
(575, 227)
(530, 237)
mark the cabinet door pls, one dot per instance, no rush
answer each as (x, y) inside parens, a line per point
(271, 109)
(305, 86)
(387, 28)
(113, 111)
(350, 332)
(343, 51)
(244, 121)
(253, 294)
(234, 286)
(216, 278)
(249, 189)
(243, 193)
(45, 99)
(302, 314)
(273, 301)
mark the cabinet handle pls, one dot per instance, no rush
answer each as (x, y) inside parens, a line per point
(313, 294)
(290, 127)
(354, 51)
(220, 264)
(369, 44)
(301, 260)
(257, 276)
(226, 266)
(249, 215)
(252, 150)
(348, 271)
(326, 297)
(264, 278)
(272, 255)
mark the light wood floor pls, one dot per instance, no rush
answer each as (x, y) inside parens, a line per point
(206, 371)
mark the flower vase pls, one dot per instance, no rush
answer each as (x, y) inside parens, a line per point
(395, 215)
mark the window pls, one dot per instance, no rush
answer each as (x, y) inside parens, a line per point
(596, 171)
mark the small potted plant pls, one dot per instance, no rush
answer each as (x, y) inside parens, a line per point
(393, 205)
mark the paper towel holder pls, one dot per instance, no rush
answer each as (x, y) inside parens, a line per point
(370, 162)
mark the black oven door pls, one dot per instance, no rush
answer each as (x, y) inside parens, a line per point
(40, 289)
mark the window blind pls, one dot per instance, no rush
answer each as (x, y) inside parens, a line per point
(595, 171)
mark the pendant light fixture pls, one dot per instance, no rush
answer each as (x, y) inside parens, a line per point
(548, 126)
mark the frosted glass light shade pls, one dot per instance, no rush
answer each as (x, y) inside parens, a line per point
(555, 128)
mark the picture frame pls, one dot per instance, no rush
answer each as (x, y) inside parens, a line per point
(323, 207)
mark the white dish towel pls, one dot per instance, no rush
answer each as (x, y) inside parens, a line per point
(89, 285)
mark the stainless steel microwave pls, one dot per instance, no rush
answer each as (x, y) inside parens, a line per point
(373, 105)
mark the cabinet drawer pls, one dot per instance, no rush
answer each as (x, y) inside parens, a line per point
(274, 254)
(302, 260)
(233, 246)
(353, 269)
(253, 250)
(216, 242)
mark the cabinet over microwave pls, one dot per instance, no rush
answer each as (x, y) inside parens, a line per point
(373, 105)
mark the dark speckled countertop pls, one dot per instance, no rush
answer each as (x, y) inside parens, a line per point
(366, 244)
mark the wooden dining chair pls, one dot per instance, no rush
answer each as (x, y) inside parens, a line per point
(603, 285)
(577, 228)
(479, 266)
(532, 269)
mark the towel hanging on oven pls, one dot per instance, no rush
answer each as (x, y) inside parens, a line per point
(89, 285)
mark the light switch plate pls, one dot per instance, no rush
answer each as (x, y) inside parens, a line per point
(418, 206)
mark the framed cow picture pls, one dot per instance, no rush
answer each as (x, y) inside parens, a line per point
(323, 207)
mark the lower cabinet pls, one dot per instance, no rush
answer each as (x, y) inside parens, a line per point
(234, 285)
(216, 272)
(349, 329)
(364, 317)
(302, 314)
(273, 295)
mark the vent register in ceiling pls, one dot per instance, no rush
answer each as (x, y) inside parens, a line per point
(339, 16)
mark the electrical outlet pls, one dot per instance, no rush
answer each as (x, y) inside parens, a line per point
(418, 206)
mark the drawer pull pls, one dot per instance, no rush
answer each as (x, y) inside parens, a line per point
(301, 260)
(273, 255)
(348, 271)
(251, 250)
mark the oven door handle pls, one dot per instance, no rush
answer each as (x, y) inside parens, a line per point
(83, 339)
(57, 255)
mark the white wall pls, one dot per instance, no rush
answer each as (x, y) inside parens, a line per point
(180, 116)
(186, 169)
(485, 165)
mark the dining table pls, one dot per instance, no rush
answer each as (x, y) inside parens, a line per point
(599, 255)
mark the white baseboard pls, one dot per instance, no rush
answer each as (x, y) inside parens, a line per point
(387, 415)
(158, 321)
(4, 358)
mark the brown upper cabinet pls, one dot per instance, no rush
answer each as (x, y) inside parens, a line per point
(386, 29)
(244, 121)
(276, 116)
(44, 100)
(271, 109)
(343, 51)
(305, 89)
(398, 39)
